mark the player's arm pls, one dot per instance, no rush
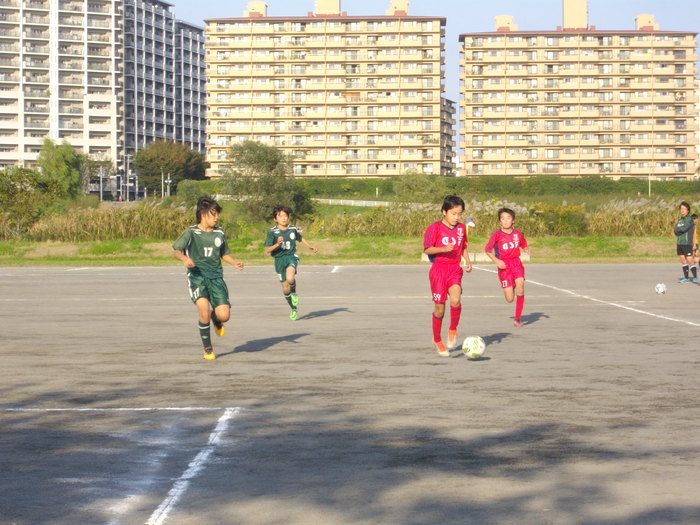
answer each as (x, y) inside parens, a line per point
(270, 244)
(306, 243)
(488, 250)
(186, 261)
(233, 262)
(467, 262)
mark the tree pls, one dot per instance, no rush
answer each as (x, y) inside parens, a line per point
(60, 165)
(24, 196)
(261, 176)
(167, 158)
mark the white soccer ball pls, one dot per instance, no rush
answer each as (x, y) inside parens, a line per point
(660, 288)
(474, 347)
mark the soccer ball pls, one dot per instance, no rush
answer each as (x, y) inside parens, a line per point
(474, 347)
(660, 288)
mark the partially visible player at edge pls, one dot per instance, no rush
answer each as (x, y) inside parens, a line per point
(201, 248)
(281, 243)
(683, 231)
(445, 243)
(696, 253)
(505, 244)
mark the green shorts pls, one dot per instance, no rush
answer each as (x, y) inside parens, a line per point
(213, 289)
(282, 263)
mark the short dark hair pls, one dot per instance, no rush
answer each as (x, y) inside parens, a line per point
(508, 211)
(684, 203)
(205, 205)
(278, 209)
(694, 216)
(452, 201)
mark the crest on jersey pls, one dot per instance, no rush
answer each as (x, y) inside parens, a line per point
(292, 236)
(217, 242)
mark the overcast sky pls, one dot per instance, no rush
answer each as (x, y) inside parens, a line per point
(468, 16)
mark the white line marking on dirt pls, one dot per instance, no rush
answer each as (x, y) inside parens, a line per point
(335, 269)
(609, 303)
(195, 467)
(118, 409)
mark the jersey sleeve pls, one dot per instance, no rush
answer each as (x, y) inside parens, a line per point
(429, 236)
(183, 241)
(270, 238)
(489, 245)
(224, 250)
(523, 241)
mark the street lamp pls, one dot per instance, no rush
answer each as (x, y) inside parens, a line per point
(101, 175)
(168, 181)
(126, 178)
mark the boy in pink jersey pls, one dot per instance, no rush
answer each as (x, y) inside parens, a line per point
(505, 245)
(445, 243)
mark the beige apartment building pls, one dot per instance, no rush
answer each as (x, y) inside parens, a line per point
(578, 101)
(350, 96)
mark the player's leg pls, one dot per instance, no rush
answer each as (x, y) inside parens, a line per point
(221, 308)
(519, 300)
(455, 293)
(204, 312)
(291, 274)
(684, 264)
(439, 293)
(694, 266)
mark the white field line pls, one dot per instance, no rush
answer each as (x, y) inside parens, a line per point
(116, 409)
(335, 269)
(609, 303)
(193, 469)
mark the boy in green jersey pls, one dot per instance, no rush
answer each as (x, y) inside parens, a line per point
(281, 243)
(201, 249)
(684, 242)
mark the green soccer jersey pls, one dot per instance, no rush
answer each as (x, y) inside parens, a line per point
(205, 249)
(684, 230)
(290, 236)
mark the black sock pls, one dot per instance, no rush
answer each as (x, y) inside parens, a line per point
(288, 298)
(685, 270)
(215, 319)
(694, 270)
(293, 287)
(205, 334)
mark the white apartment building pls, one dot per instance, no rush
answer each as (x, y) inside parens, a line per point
(579, 101)
(99, 74)
(356, 96)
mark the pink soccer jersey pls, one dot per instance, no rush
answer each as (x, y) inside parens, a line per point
(506, 246)
(438, 234)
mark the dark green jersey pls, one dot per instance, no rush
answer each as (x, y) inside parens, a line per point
(684, 230)
(290, 237)
(205, 249)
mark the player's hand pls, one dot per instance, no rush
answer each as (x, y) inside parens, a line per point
(449, 247)
(238, 264)
(500, 264)
(467, 267)
(313, 249)
(280, 240)
(188, 263)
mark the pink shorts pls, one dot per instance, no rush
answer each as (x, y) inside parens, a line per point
(442, 278)
(514, 270)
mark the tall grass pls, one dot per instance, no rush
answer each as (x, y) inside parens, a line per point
(153, 220)
(148, 220)
(631, 217)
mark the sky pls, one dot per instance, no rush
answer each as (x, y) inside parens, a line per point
(469, 16)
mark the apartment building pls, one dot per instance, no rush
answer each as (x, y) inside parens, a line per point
(190, 90)
(99, 74)
(579, 101)
(357, 96)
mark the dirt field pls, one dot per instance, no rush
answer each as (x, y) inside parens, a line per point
(588, 414)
